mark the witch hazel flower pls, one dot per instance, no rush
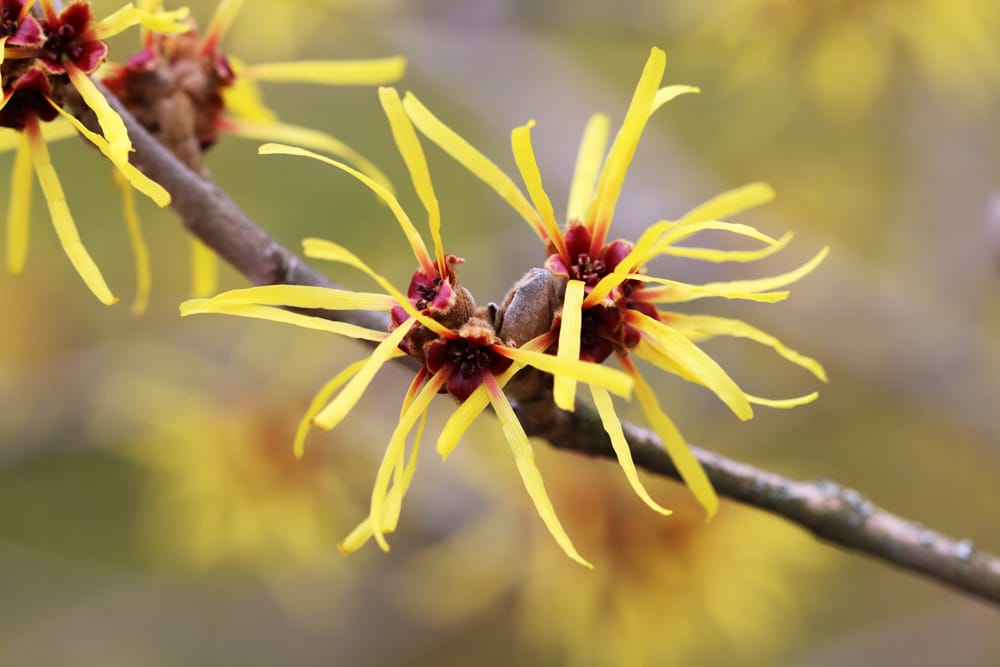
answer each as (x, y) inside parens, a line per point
(187, 91)
(608, 301)
(436, 323)
(46, 59)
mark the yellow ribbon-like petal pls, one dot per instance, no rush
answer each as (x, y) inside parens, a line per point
(524, 156)
(564, 387)
(253, 311)
(714, 255)
(687, 465)
(332, 72)
(703, 327)
(204, 269)
(111, 123)
(412, 235)
(245, 100)
(307, 138)
(413, 155)
(622, 150)
(668, 93)
(161, 22)
(62, 219)
(470, 158)
(19, 207)
(306, 296)
(321, 398)
(730, 203)
(338, 408)
(588, 164)
(693, 360)
(678, 292)
(524, 457)
(783, 403)
(613, 427)
(616, 382)
(774, 282)
(331, 252)
(140, 251)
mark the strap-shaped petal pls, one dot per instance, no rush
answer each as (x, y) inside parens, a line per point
(62, 219)
(783, 403)
(412, 235)
(395, 452)
(331, 72)
(19, 207)
(679, 233)
(693, 360)
(613, 427)
(615, 381)
(160, 22)
(111, 123)
(687, 465)
(253, 311)
(715, 255)
(524, 457)
(329, 251)
(702, 327)
(673, 291)
(204, 269)
(136, 178)
(612, 177)
(524, 156)
(321, 398)
(245, 100)
(307, 296)
(307, 138)
(774, 282)
(470, 158)
(140, 251)
(668, 93)
(564, 387)
(730, 203)
(588, 163)
(416, 163)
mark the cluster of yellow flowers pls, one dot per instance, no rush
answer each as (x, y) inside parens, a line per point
(600, 300)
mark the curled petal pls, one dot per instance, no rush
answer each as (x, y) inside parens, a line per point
(524, 156)
(160, 22)
(321, 398)
(730, 203)
(668, 93)
(111, 123)
(306, 296)
(524, 457)
(253, 311)
(783, 403)
(714, 255)
(616, 382)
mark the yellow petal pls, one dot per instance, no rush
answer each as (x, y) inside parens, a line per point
(111, 123)
(524, 457)
(588, 163)
(332, 72)
(3, 44)
(564, 387)
(703, 327)
(306, 296)
(616, 382)
(62, 219)
(693, 360)
(136, 178)
(765, 284)
(783, 403)
(635, 258)
(730, 202)
(681, 232)
(322, 397)
(395, 452)
(19, 207)
(338, 408)
(204, 306)
(467, 412)
(412, 235)
(678, 292)
(128, 16)
(308, 138)
(413, 154)
(54, 131)
(329, 251)
(204, 269)
(668, 93)
(687, 465)
(613, 427)
(218, 26)
(524, 156)
(620, 156)
(140, 251)
(714, 255)
(470, 158)
(244, 100)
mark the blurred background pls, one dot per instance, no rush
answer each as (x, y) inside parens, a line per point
(151, 511)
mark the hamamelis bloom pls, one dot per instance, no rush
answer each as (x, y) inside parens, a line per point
(186, 91)
(46, 60)
(609, 303)
(435, 322)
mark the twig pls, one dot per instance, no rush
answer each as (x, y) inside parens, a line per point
(836, 514)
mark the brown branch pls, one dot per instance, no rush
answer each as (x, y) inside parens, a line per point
(839, 515)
